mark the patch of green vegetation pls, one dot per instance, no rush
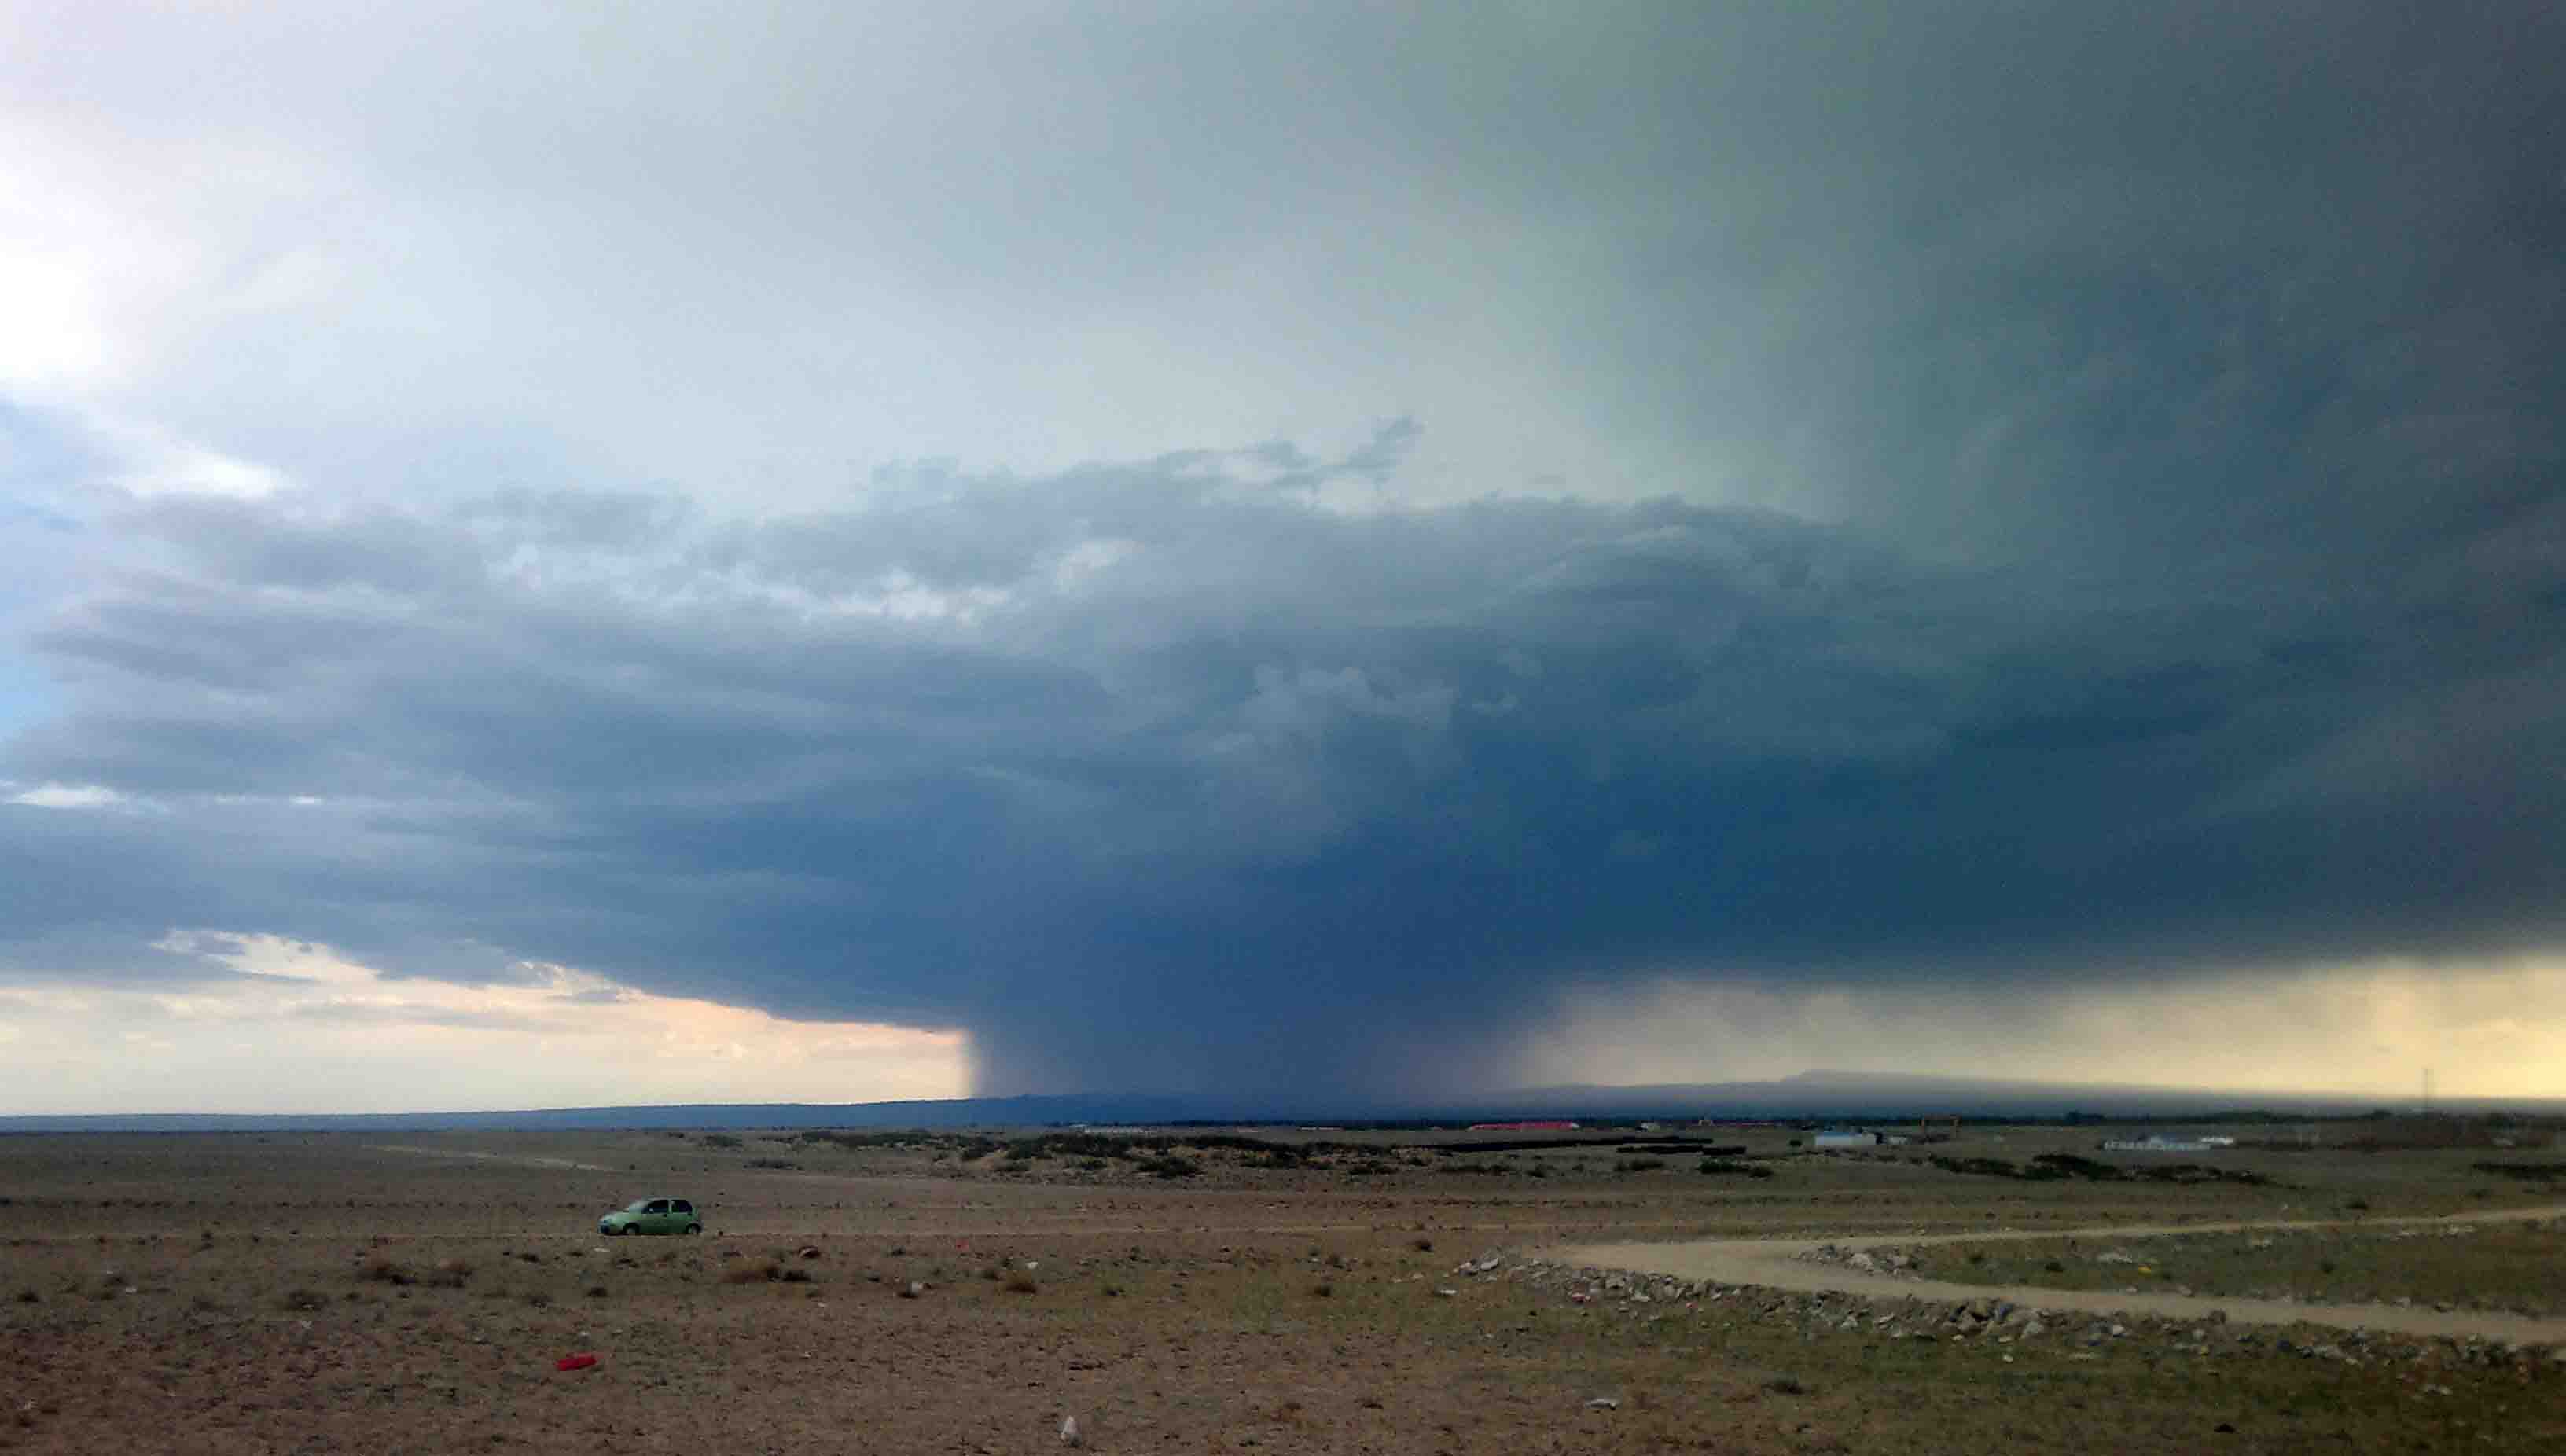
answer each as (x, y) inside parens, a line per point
(2050, 1166)
(2501, 1267)
(2526, 1173)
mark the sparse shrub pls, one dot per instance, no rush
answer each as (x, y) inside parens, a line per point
(30, 1297)
(781, 1164)
(1094, 1165)
(1022, 1284)
(1169, 1165)
(720, 1139)
(380, 1270)
(205, 1304)
(2054, 1267)
(1715, 1165)
(1977, 1257)
(596, 1292)
(1422, 1246)
(1785, 1385)
(2325, 1266)
(795, 1275)
(303, 1299)
(1323, 1289)
(449, 1272)
(753, 1271)
(1638, 1164)
(2357, 1205)
(537, 1300)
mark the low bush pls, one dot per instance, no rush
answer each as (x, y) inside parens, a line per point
(1715, 1165)
(379, 1270)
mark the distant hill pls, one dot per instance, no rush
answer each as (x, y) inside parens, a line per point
(1812, 1095)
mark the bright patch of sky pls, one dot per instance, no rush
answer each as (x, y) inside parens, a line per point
(303, 1029)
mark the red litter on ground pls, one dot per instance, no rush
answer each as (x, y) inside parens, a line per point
(575, 1362)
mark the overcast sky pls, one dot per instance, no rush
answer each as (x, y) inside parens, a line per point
(582, 554)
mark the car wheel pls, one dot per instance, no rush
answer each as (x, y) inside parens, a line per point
(694, 1228)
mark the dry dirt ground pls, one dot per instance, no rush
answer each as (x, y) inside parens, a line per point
(299, 1293)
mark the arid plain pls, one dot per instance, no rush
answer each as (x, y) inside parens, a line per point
(2014, 1290)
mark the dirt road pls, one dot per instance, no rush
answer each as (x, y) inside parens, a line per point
(1773, 1264)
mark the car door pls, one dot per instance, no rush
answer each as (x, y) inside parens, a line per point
(655, 1217)
(680, 1214)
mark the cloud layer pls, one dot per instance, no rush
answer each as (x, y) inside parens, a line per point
(1269, 548)
(1167, 766)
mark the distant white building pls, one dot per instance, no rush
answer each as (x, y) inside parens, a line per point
(2157, 1143)
(1845, 1137)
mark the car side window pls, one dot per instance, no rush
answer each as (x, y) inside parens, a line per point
(682, 1206)
(656, 1205)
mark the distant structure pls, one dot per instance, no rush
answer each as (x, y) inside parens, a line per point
(1541, 1126)
(2158, 1143)
(1845, 1137)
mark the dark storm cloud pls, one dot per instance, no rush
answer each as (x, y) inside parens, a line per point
(1211, 781)
(2166, 572)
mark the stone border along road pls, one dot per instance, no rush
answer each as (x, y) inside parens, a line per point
(1775, 1264)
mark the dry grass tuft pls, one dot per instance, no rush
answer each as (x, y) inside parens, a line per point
(379, 1270)
(1022, 1284)
(450, 1272)
(305, 1299)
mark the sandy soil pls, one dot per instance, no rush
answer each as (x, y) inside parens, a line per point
(239, 1296)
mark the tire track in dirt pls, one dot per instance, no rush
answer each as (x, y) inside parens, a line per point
(521, 1159)
(1773, 1264)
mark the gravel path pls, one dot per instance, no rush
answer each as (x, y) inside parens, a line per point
(1772, 1263)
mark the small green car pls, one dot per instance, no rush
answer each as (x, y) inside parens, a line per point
(652, 1216)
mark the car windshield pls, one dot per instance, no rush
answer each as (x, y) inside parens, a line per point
(636, 1205)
